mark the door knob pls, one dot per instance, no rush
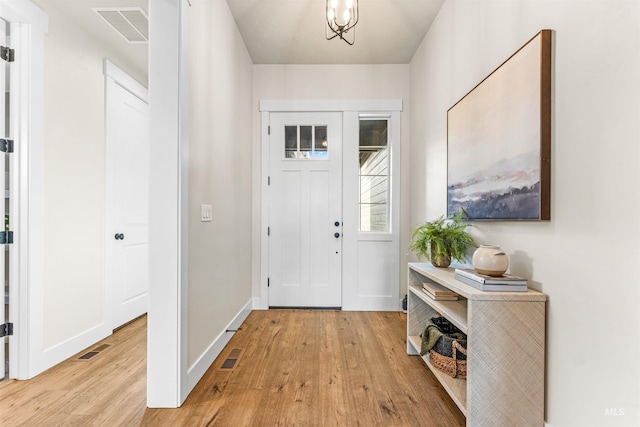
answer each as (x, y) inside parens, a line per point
(336, 235)
(337, 224)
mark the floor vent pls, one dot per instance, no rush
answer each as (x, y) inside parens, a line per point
(88, 355)
(231, 360)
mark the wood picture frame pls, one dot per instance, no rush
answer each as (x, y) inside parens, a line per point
(499, 140)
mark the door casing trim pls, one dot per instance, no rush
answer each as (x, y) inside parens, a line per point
(323, 105)
(29, 26)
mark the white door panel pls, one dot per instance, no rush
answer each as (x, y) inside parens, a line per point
(136, 282)
(320, 235)
(305, 193)
(377, 269)
(127, 203)
(288, 231)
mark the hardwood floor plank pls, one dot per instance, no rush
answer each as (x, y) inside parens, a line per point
(296, 368)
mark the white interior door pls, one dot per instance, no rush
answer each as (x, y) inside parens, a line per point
(127, 265)
(305, 210)
(3, 211)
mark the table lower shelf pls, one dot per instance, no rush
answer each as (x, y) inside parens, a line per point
(456, 387)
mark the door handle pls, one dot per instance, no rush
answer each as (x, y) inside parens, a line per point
(336, 235)
(337, 224)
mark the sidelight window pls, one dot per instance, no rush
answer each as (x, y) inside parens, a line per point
(374, 175)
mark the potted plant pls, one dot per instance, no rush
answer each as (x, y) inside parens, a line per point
(442, 239)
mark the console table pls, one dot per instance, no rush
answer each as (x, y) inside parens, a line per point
(505, 346)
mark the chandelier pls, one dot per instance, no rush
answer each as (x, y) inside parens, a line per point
(342, 16)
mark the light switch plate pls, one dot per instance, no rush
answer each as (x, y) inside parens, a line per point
(206, 213)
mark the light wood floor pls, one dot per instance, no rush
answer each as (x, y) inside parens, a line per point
(296, 368)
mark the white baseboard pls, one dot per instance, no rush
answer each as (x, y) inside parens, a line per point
(60, 352)
(198, 369)
(374, 304)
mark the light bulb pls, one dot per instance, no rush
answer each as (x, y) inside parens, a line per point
(334, 4)
(349, 4)
(347, 15)
(331, 14)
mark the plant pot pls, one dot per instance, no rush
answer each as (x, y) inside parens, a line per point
(490, 260)
(442, 261)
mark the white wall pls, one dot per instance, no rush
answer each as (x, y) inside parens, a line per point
(332, 82)
(167, 385)
(74, 294)
(220, 159)
(586, 258)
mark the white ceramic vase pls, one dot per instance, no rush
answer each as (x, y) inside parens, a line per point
(490, 260)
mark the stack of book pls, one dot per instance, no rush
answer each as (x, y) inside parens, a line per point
(504, 283)
(439, 292)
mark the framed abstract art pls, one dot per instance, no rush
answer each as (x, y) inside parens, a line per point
(499, 140)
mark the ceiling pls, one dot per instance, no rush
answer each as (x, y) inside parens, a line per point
(293, 31)
(285, 31)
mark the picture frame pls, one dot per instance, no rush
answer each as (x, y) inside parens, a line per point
(499, 140)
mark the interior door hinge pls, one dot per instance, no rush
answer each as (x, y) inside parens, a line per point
(6, 237)
(268, 180)
(6, 145)
(268, 282)
(7, 54)
(268, 231)
(6, 329)
(269, 130)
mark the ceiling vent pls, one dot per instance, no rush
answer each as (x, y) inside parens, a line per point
(130, 22)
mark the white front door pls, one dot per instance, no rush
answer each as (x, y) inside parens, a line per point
(127, 141)
(305, 210)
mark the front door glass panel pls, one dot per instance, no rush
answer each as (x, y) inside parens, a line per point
(305, 142)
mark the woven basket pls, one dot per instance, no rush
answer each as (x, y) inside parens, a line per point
(444, 346)
(450, 365)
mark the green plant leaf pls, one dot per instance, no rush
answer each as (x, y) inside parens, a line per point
(448, 237)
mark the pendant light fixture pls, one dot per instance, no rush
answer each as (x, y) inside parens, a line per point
(342, 16)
